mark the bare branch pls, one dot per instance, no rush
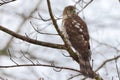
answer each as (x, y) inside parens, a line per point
(110, 46)
(108, 60)
(85, 6)
(5, 2)
(117, 69)
(33, 41)
(45, 65)
(53, 20)
(11, 57)
(43, 18)
(41, 32)
(2, 78)
(27, 57)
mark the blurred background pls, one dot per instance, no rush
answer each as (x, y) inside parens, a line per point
(22, 16)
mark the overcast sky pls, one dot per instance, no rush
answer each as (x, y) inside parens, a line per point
(101, 16)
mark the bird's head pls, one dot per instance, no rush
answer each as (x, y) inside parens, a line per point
(69, 11)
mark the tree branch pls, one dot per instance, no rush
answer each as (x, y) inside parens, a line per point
(84, 6)
(108, 60)
(117, 70)
(5, 2)
(33, 41)
(45, 65)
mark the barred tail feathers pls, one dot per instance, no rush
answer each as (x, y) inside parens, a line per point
(85, 67)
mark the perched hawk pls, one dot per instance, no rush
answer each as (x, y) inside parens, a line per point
(76, 32)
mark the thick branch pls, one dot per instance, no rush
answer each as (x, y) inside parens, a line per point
(33, 41)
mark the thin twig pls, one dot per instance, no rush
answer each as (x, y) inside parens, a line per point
(11, 57)
(45, 65)
(43, 18)
(106, 61)
(41, 32)
(27, 57)
(117, 69)
(110, 46)
(5, 2)
(85, 6)
(2, 78)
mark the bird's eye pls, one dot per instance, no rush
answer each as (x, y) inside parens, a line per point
(73, 10)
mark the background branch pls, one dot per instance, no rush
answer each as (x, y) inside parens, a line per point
(5, 2)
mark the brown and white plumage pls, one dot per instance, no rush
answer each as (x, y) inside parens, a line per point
(76, 32)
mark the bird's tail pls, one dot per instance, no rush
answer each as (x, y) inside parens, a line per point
(86, 68)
